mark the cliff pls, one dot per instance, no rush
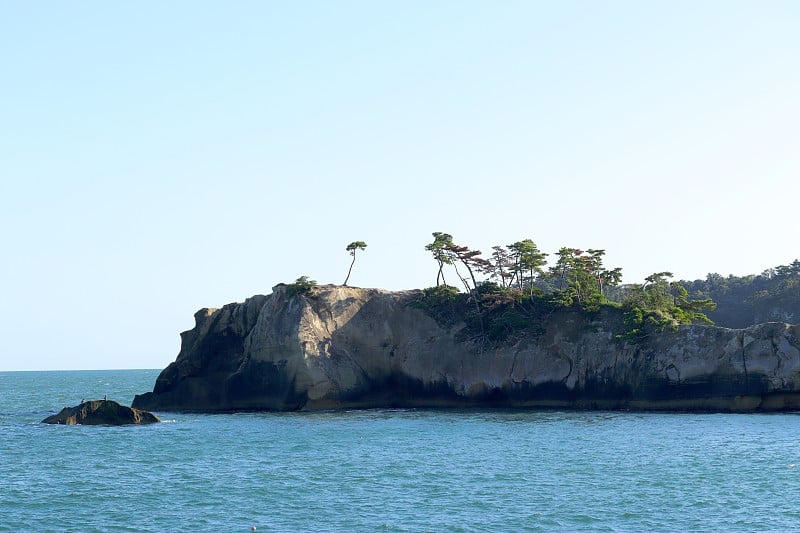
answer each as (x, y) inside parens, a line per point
(343, 347)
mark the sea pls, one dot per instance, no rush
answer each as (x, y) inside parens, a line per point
(386, 469)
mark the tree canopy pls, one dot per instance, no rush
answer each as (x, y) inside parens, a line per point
(352, 248)
(772, 295)
(516, 282)
(439, 248)
(514, 285)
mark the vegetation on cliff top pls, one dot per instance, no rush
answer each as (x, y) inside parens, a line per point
(514, 290)
(301, 285)
(773, 295)
(518, 291)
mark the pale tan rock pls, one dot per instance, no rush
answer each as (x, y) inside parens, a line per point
(350, 347)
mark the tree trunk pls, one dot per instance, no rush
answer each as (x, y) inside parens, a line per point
(463, 279)
(441, 274)
(530, 287)
(351, 268)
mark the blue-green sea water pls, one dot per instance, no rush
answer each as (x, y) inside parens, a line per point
(387, 470)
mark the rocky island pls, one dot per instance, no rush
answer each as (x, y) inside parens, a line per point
(101, 412)
(333, 347)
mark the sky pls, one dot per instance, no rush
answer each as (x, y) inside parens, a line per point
(161, 157)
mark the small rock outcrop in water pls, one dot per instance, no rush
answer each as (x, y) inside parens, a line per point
(344, 347)
(101, 412)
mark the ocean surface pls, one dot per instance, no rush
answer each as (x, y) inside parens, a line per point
(387, 470)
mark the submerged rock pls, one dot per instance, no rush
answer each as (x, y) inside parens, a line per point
(101, 412)
(344, 347)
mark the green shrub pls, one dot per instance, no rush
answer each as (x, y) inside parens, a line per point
(443, 302)
(509, 322)
(302, 285)
(436, 296)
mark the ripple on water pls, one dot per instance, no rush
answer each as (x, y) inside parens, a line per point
(391, 470)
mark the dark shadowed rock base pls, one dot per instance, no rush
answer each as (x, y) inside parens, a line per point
(101, 412)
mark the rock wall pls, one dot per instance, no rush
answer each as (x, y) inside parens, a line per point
(345, 347)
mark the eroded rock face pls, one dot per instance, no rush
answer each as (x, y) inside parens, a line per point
(101, 412)
(342, 347)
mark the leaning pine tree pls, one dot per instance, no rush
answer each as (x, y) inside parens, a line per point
(352, 248)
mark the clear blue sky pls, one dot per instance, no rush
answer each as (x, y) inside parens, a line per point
(160, 157)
